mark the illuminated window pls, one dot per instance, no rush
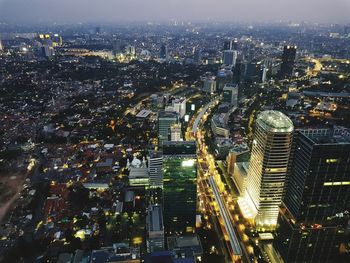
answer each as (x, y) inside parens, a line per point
(336, 183)
(332, 160)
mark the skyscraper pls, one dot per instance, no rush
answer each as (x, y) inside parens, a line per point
(253, 71)
(180, 186)
(228, 45)
(223, 77)
(267, 169)
(315, 214)
(229, 57)
(209, 85)
(179, 106)
(197, 56)
(231, 94)
(155, 229)
(155, 164)
(165, 120)
(235, 44)
(175, 133)
(288, 59)
(163, 52)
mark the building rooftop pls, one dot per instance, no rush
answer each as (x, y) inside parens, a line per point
(220, 120)
(239, 148)
(189, 245)
(275, 121)
(155, 218)
(155, 154)
(187, 148)
(143, 114)
(336, 135)
(168, 114)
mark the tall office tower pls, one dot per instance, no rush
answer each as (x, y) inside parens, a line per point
(47, 51)
(179, 106)
(228, 45)
(57, 40)
(209, 85)
(155, 229)
(155, 171)
(155, 164)
(238, 71)
(264, 73)
(235, 44)
(314, 219)
(267, 169)
(223, 77)
(163, 52)
(130, 50)
(118, 47)
(229, 57)
(165, 120)
(197, 56)
(231, 94)
(253, 71)
(1, 46)
(175, 133)
(180, 186)
(288, 59)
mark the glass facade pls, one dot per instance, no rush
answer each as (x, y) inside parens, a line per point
(165, 120)
(317, 200)
(268, 168)
(180, 186)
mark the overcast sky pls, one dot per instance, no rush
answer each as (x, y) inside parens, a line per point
(335, 11)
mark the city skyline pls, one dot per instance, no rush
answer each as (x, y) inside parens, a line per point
(174, 141)
(64, 11)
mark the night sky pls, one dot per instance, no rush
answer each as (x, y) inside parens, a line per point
(29, 11)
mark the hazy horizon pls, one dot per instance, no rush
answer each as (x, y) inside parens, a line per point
(70, 11)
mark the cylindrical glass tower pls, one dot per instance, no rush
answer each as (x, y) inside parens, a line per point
(268, 167)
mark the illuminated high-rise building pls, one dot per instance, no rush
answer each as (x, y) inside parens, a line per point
(235, 44)
(179, 106)
(288, 59)
(313, 221)
(180, 186)
(229, 57)
(228, 45)
(253, 71)
(130, 50)
(267, 169)
(155, 164)
(176, 133)
(209, 85)
(231, 94)
(165, 120)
